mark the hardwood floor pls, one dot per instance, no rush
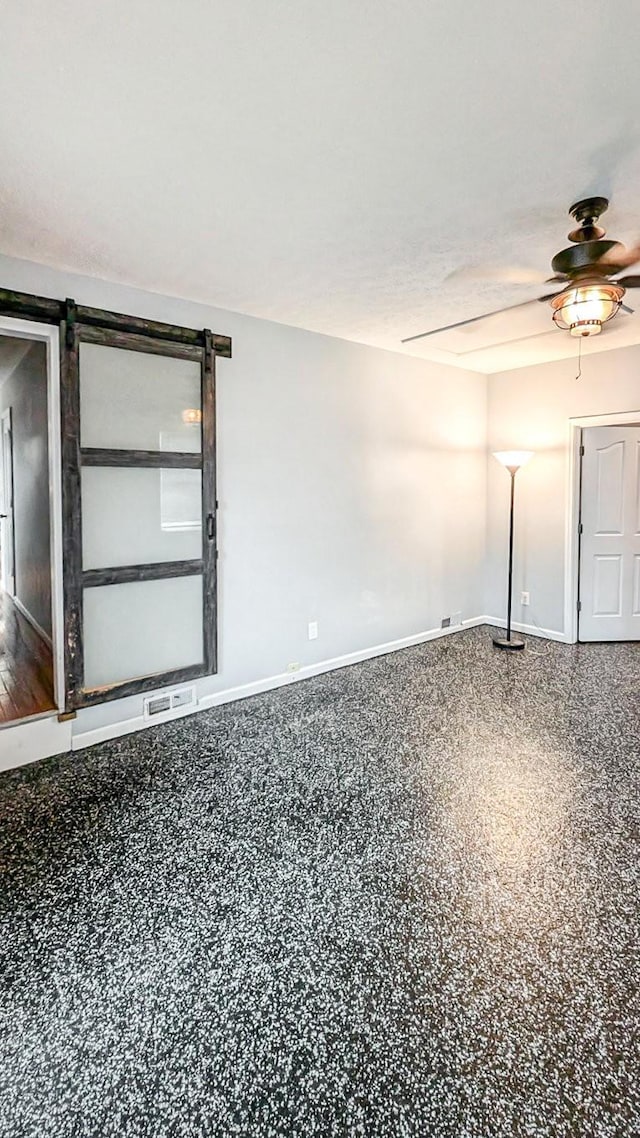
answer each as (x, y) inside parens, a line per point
(26, 666)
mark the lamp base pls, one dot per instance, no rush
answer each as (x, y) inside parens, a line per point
(514, 645)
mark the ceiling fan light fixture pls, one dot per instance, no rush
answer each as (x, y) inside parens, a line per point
(589, 296)
(582, 309)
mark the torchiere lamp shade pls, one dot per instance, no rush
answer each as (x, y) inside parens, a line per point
(513, 459)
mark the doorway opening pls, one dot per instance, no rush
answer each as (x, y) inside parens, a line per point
(30, 624)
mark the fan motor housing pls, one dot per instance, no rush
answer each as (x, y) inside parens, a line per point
(582, 256)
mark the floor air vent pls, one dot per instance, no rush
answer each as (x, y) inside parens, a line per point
(169, 701)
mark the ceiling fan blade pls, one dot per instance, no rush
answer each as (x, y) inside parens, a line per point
(629, 282)
(547, 296)
(625, 308)
(501, 274)
(617, 259)
(474, 319)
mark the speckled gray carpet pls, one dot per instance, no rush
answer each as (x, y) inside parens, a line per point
(399, 899)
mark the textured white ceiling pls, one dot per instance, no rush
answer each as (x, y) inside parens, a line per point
(325, 165)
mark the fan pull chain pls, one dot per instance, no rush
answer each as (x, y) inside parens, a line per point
(578, 376)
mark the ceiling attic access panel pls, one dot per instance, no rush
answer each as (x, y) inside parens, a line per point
(139, 495)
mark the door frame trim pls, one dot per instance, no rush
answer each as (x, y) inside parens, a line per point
(8, 580)
(50, 336)
(572, 513)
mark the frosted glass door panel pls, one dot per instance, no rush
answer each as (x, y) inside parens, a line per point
(137, 400)
(138, 516)
(140, 629)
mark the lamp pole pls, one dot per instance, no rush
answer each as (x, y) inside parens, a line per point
(512, 460)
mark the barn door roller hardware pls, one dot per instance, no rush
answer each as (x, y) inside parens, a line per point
(70, 320)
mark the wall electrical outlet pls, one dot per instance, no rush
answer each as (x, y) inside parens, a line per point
(524, 598)
(295, 667)
(313, 630)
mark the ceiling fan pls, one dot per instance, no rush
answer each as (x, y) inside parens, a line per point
(590, 297)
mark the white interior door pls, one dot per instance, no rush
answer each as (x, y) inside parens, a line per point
(610, 543)
(6, 504)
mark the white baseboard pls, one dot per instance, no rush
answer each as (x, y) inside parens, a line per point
(32, 621)
(27, 742)
(528, 629)
(269, 683)
(22, 743)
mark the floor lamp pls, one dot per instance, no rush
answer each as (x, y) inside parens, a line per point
(512, 460)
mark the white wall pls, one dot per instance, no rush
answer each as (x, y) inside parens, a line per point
(352, 487)
(530, 409)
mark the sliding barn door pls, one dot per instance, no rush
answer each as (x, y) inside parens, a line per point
(140, 512)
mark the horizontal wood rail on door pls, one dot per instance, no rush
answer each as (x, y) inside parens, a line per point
(153, 571)
(157, 459)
